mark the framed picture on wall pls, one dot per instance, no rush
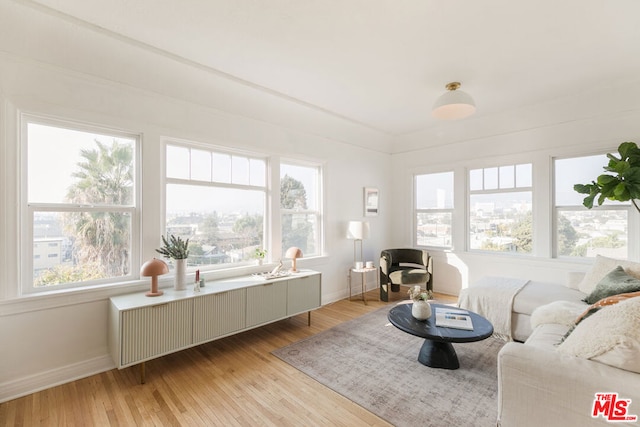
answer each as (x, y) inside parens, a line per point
(370, 201)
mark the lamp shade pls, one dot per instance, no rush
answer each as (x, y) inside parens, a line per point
(453, 104)
(357, 230)
(154, 268)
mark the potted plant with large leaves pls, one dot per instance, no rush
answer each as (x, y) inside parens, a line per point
(178, 250)
(621, 182)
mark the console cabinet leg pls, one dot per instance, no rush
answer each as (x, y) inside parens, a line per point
(142, 373)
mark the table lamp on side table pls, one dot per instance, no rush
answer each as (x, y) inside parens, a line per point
(357, 231)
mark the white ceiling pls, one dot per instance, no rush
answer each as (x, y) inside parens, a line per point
(382, 63)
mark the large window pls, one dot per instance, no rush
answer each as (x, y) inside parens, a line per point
(300, 208)
(81, 209)
(434, 209)
(581, 232)
(217, 200)
(500, 209)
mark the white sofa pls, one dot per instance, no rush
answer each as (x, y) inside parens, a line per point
(539, 386)
(544, 381)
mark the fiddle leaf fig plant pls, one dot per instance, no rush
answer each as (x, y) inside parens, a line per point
(621, 182)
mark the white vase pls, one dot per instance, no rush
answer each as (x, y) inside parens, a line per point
(180, 283)
(421, 310)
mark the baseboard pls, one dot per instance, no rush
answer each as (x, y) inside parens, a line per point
(30, 384)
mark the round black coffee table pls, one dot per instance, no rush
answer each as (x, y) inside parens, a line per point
(437, 350)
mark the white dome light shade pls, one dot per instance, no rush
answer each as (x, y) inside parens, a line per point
(453, 104)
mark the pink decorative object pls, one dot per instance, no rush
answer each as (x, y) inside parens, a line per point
(154, 268)
(293, 253)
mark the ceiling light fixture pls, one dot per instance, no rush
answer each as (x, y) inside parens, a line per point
(453, 104)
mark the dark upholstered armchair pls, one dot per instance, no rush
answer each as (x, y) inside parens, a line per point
(404, 267)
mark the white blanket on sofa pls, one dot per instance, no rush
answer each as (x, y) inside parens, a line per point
(492, 297)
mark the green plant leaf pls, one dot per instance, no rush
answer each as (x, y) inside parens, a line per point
(622, 185)
(582, 188)
(627, 149)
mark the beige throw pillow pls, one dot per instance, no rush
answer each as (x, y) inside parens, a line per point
(601, 267)
(610, 336)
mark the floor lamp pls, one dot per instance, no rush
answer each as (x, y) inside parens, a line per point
(357, 231)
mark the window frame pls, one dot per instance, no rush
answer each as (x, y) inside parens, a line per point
(319, 212)
(498, 190)
(633, 222)
(215, 149)
(28, 210)
(417, 211)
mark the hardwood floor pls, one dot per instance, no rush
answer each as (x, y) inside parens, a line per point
(234, 381)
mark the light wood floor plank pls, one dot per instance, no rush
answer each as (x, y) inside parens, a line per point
(234, 381)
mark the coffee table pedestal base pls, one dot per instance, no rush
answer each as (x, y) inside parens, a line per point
(437, 354)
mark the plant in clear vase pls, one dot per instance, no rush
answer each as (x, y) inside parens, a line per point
(260, 254)
(421, 309)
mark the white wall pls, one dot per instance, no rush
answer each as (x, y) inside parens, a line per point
(53, 67)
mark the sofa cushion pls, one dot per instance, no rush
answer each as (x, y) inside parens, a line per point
(601, 267)
(411, 276)
(617, 281)
(610, 336)
(535, 294)
(547, 336)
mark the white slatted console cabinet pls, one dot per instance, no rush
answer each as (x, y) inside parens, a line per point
(143, 328)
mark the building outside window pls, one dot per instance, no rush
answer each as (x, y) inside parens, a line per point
(80, 204)
(433, 209)
(500, 209)
(217, 200)
(300, 208)
(582, 232)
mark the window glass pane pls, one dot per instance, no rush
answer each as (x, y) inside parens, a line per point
(577, 170)
(507, 176)
(434, 191)
(178, 166)
(221, 168)
(501, 222)
(200, 165)
(524, 175)
(72, 166)
(434, 229)
(257, 172)
(301, 230)
(490, 178)
(224, 225)
(475, 180)
(73, 247)
(587, 233)
(240, 170)
(299, 187)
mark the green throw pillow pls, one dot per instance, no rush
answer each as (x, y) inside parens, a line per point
(614, 283)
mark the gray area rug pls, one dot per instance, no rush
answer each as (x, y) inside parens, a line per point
(374, 364)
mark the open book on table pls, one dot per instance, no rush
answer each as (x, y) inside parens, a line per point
(453, 318)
